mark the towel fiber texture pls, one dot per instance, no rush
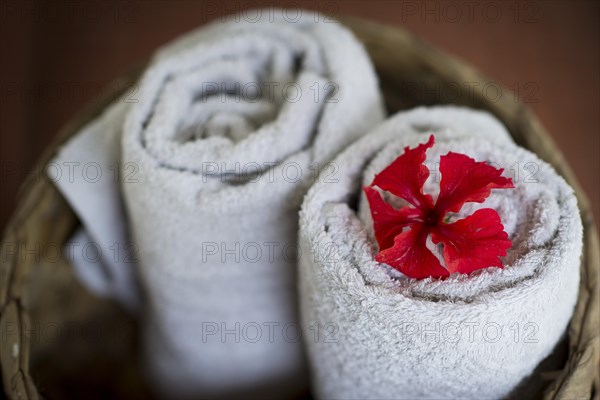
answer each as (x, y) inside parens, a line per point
(383, 335)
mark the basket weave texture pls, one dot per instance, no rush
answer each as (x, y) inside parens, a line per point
(39, 295)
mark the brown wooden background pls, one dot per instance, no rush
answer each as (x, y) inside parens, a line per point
(58, 56)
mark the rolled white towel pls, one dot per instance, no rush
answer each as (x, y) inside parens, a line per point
(377, 333)
(229, 127)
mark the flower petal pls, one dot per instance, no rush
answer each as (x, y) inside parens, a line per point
(405, 176)
(410, 255)
(465, 180)
(387, 221)
(474, 242)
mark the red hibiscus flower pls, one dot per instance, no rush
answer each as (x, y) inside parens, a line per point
(472, 243)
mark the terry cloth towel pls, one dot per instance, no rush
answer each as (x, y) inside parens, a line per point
(380, 335)
(229, 127)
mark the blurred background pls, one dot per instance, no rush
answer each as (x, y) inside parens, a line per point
(58, 57)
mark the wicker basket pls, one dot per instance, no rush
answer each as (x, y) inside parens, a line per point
(60, 341)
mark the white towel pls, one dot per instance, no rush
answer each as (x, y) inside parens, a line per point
(229, 127)
(378, 334)
(87, 171)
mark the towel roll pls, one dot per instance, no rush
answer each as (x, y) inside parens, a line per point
(230, 125)
(379, 334)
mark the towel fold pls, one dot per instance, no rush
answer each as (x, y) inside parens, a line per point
(379, 334)
(230, 126)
